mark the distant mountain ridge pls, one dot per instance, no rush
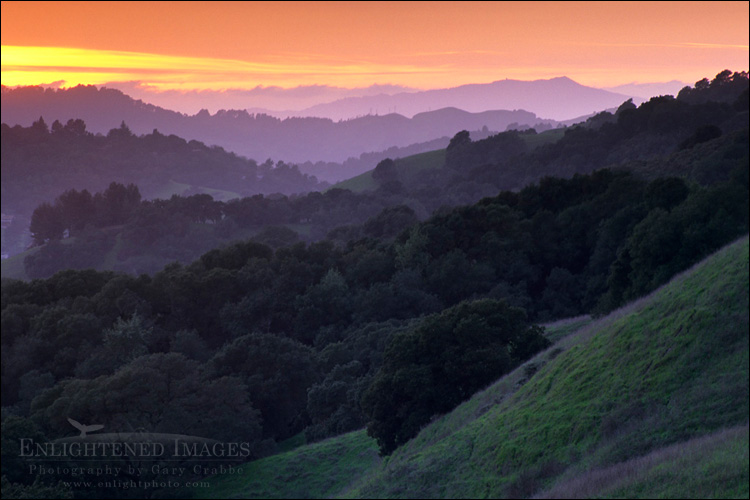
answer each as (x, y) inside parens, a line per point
(557, 98)
(261, 99)
(648, 90)
(256, 136)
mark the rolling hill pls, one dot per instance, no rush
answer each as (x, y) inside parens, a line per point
(408, 166)
(295, 139)
(651, 400)
(411, 165)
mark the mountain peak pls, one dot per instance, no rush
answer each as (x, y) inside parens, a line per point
(563, 79)
(553, 79)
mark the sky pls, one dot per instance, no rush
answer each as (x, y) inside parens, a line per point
(194, 47)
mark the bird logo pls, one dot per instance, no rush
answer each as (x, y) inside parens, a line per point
(84, 428)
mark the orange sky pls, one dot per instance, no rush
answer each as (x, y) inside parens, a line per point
(218, 45)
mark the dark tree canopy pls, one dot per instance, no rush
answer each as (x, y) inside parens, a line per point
(432, 368)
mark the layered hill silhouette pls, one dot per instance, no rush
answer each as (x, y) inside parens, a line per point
(557, 98)
(415, 117)
(663, 136)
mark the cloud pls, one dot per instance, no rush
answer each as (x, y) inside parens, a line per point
(259, 98)
(32, 65)
(715, 46)
(678, 45)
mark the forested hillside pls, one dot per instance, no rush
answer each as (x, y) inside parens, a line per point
(700, 142)
(646, 402)
(244, 313)
(388, 316)
(41, 161)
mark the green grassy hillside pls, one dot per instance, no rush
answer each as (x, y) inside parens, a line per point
(411, 165)
(12, 268)
(712, 466)
(662, 371)
(407, 167)
(318, 470)
(533, 141)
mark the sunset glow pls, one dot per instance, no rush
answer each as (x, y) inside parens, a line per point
(35, 65)
(240, 45)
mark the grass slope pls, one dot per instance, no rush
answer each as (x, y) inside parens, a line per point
(13, 267)
(318, 470)
(712, 466)
(407, 167)
(667, 368)
(533, 141)
(304, 471)
(635, 387)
